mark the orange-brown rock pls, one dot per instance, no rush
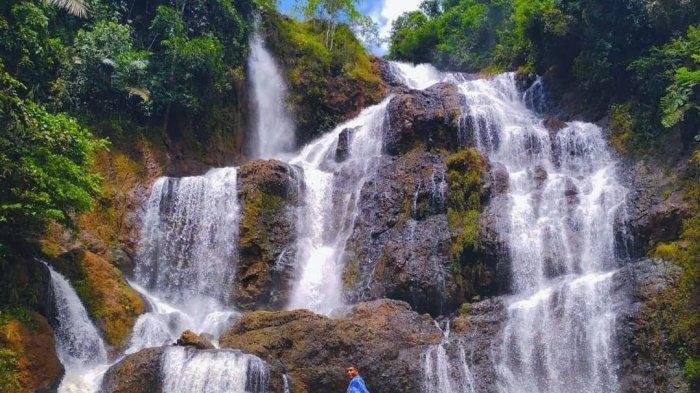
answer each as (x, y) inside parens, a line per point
(28, 358)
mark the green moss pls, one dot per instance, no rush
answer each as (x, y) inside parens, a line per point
(9, 366)
(465, 176)
(681, 315)
(464, 309)
(691, 369)
(258, 209)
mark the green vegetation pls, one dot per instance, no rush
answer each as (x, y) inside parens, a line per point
(637, 53)
(44, 166)
(465, 176)
(327, 83)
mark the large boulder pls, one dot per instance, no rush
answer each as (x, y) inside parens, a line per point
(429, 117)
(269, 192)
(107, 297)
(656, 207)
(647, 310)
(28, 361)
(136, 373)
(384, 338)
(400, 244)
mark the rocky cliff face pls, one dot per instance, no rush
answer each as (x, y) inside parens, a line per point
(269, 194)
(409, 242)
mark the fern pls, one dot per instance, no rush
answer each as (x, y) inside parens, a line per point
(78, 8)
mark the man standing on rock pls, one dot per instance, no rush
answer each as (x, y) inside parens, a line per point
(357, 384)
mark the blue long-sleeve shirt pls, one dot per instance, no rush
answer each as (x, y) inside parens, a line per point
(357, 385)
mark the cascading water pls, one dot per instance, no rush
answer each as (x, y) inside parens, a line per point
(187, 256)
(442, 374)
(333, 185)
(80, 347)
(562, 201)
(184, 269)
(223, 371)
(274, 128)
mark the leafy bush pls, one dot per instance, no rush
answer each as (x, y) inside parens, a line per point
(44, 164)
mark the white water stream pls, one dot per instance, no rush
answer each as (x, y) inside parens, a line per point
(274, 127)
(332, 192)
(81, 349)
(562, 201)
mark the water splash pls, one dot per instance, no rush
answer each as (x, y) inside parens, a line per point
(330, 206)
(214, 371)
(421, 76)
(274, 127)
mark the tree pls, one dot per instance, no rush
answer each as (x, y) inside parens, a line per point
(333, 12)
(45, 162)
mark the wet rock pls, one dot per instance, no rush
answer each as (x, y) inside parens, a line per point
(136, 373)
(189, 338)
(644, 295)
(476, 332)
(400, 244)
(31, 345)
(342, 150)
(384, 338)
(498, 180)
(429, 117)
(23, 273)
(390, 77)
(490, 268)
(571, 192)
(539, 175)
(655, 210)
(121, 259)
(269, 192)
(553, 124)
(108, 298)
(523, 80)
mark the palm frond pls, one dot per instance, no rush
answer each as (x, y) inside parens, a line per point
(78, 8)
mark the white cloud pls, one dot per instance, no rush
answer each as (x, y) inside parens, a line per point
(387, 12)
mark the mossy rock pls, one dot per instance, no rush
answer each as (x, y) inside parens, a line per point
(109, 300)
(269, 192)
(28, 360)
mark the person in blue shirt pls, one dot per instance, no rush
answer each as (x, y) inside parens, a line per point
(357, 384)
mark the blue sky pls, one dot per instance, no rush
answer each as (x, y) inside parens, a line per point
(383, 12)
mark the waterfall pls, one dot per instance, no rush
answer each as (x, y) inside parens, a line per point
(443, 374)
(421, 76)
(79, 346)
(333, 184)
(221, 371)
(187, 257)
(274, 128)
(188, 240)
(562, 202)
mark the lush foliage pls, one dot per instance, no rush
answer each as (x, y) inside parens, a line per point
(326, 83)
(44, 166)
(636, 52)
(105, 65)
